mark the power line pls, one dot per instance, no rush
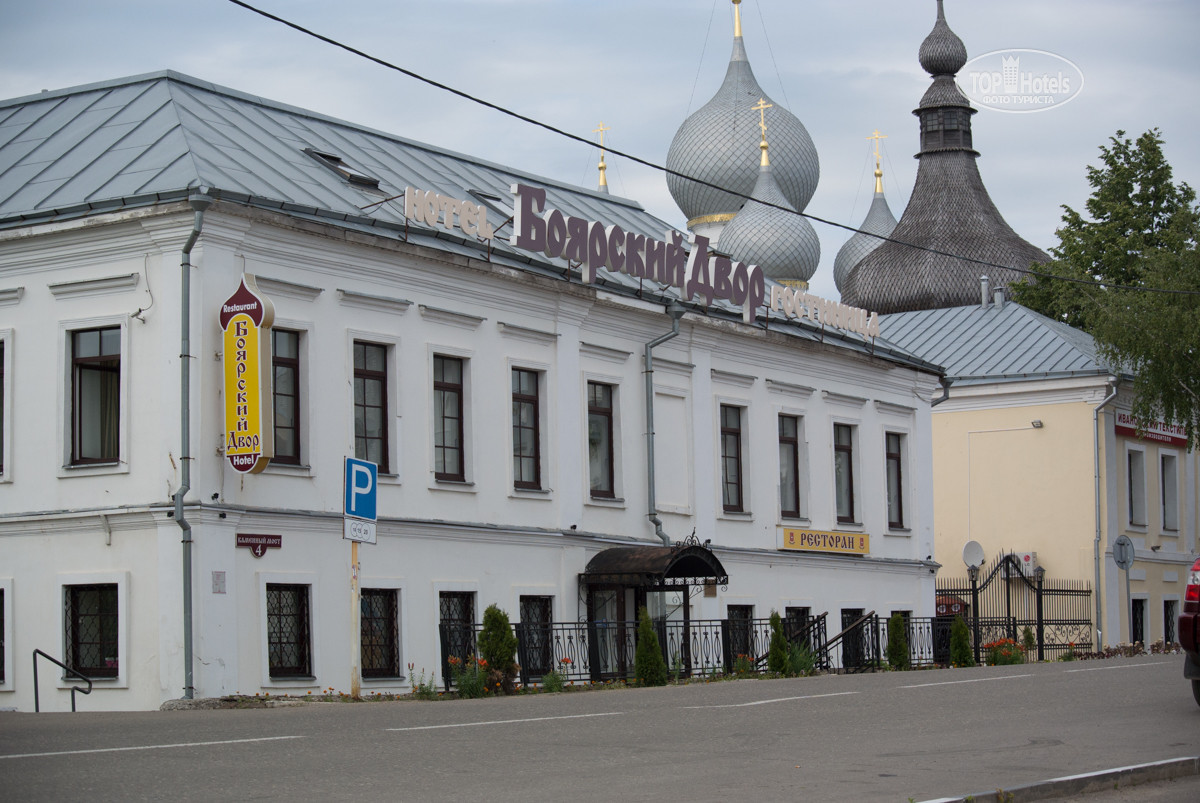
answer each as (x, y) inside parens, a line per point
(661, 168)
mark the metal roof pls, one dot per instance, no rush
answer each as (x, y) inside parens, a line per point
(153, 138)
(992, 344)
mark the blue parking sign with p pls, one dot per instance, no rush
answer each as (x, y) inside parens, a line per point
(361, 486)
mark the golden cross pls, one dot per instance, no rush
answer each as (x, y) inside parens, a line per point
(761, 107)
(600, 130)
(877, 137)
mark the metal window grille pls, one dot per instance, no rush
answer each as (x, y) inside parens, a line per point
(370, 404)
(741, 628)
(90, 618)
(731, 458)
(526, 423)
(1170, 617)
(457, 617)
(448, 449)
(285, 361)
(600, 440)
(289, 648)
(95, 395)
(536, 616)
(789, 466)
(380, 630)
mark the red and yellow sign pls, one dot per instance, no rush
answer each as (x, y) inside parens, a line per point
(816, 541)
(246, 320)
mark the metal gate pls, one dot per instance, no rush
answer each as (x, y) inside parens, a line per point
(1002, 599)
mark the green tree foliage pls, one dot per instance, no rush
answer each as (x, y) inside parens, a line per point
(960, 644)
(498, 648)
(897, 646)
(1139, 237)
(648, 663)
(777, 654)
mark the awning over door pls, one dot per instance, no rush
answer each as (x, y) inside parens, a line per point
(655, 567)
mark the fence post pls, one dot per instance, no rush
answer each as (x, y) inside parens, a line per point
(1040, 574)
(726, 647)
(593, 650)
(974, 570)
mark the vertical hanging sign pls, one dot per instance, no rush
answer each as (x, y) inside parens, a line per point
(246, 320)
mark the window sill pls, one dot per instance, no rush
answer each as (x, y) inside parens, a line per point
(848, 526)
(457, 486)
(794, 521)
(93, 469)
(606, 501)
(291, 682)
(294, 469)
(539, 494)
(899, 532)
(736, 515)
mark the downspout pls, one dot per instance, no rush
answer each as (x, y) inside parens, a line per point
(676, 311)
(1112, 394)
(199, 202)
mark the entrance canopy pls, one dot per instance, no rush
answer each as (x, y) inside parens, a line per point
(655, 567)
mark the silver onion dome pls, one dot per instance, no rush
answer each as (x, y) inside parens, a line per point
(881, 221)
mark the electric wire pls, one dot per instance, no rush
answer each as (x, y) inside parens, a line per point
(668, 171)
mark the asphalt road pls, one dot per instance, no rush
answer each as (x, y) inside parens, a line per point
(891, 736)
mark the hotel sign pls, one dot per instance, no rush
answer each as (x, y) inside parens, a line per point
(1160, 431)
(817, 541)
(246, 320)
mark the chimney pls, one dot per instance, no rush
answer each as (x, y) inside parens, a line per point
(983, 291)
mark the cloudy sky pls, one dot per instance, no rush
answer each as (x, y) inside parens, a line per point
(844, 67)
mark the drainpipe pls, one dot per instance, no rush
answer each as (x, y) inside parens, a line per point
(199, 202)
(676, 311)
(1112, 394)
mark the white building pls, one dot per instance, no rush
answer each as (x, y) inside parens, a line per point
(503, 397)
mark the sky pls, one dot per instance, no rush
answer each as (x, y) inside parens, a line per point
(844, 67)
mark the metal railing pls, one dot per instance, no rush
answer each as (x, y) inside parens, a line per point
(69, 672)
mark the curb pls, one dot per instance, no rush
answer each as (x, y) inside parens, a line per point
(1100, 781)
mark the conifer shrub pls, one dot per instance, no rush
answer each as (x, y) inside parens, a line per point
(777, 654)
(897, 646)
(648, 663)
(960, 644)
(498, 649)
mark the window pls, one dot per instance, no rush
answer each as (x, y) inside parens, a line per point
(895, 480)
(731, 458)
(600, 440)
(1170, 617)
(1137, 487)
(380, 632)
(741, 633)
(91, 637)
(2, 399)
(789, 467)
(3, 632)
(1137, 621)
(1169, 478)
(456, 617)
(285, 360)
(526, 423)
(537, 639)
(449, 461)
(843, 470)
(95, 395)
(370, 404)
(289, 649)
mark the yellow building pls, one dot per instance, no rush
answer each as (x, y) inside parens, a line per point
(1035, 453)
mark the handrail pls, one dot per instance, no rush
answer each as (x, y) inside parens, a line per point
(36, 703)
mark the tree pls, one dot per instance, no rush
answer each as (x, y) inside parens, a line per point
(960, 644)
(1110, 271)
(777, 654)
(497, 647)
(648, 663)
(897, 646)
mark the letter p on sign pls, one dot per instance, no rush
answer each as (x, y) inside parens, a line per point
(361, 485)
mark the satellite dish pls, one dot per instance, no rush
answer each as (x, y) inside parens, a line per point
(973, 554)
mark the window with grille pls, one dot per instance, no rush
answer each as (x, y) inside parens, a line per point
(789, 466)
(289, 646)
(600, 440)
(457, 618)
(95, 395)
(370, 404)
(380, 632)
(731, 458)
(843, 471)
(2, 631)
(895, 479)
(285, 361)
(1170, 617)
(91, 638)
(536, 616)
(526, 421)
(448, 449)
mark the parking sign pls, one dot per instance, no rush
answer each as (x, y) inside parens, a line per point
(359, 499)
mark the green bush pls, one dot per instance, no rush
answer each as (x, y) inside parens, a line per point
(800, 660)
(553, 682)
(960, 644)
(498, 648)
(470, 677)
(897, 646)
(777, 654)
(648, 663)
(743, 665)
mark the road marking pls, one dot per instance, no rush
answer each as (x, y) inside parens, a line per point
(504, 722)
(976, 680)
(149, 747)
(776, 700)
(1133, 666)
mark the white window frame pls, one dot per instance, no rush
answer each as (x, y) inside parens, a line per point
(855, 470)
(1135, 485)
(6, 428)
(304, 334)
(618, 497)
(1168, 491)
(546, 407)
(65, 401)
(314, 629)
(802, 464)
(394, 442)
(467, 484)
(905, 485)
(745, 461)
(121, 579)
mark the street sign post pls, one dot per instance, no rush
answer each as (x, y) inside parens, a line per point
(359, 508)
(1123, 555)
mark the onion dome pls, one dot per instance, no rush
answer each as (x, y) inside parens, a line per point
(716, 144)
(782, 243)
(879, 221)
(949, 215)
